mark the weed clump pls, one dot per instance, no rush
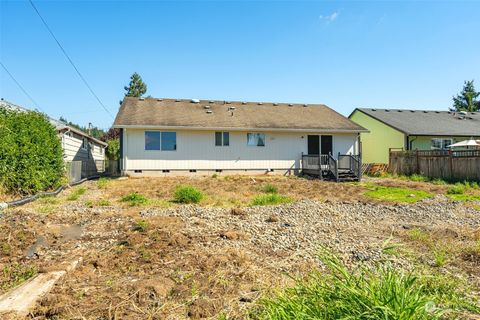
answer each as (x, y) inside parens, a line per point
(269, 188)
(134, 199)
(102, 183)
(380, 292)
(141, 226)
(457, 188)
(75, 195)
(187, 194)
(104, 203)
(15, 274)
(270, 199)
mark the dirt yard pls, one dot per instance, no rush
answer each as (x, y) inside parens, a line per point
(158, 259)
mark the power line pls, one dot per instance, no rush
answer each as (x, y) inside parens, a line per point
(70, 60)
(21, 87)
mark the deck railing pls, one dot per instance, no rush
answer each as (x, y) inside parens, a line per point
(326, 164)
(351, 163)
(333, 164)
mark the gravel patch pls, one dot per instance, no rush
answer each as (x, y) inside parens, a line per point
(355, 230)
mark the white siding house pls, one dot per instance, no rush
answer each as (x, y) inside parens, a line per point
(78, 146)
(172, 135)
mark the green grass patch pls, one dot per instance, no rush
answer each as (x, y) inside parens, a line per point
(140, 226)
(187, 194)
(464, 197)
(270, 199)
(46, 209)
(134, 199)
(269, 188)
(15, 274)
(381, 292)
(416, 234)
(395, 194)
(104, 203)
(457, 188)
(102, 182)
(76, 193)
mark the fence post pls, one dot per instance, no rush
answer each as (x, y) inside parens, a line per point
(450, 156)
(418, 164)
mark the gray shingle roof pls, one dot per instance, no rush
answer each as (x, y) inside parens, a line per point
(428, 122)
(209, 114)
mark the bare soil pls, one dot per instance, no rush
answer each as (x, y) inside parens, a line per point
(179, 262)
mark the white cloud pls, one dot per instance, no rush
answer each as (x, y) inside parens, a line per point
(329, 18)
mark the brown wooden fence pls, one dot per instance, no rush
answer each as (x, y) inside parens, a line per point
(443, 164)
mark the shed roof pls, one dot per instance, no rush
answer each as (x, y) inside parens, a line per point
(232, 115)
(427, 122)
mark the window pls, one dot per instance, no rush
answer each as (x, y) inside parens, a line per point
(256, 139)
(84, 143)
(169, 141)
(156, 140)
(222, 138)
(441, 144)
(152, 140)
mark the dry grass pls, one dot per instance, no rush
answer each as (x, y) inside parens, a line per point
(231, 191)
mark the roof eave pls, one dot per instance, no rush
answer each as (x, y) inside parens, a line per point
(120, 126)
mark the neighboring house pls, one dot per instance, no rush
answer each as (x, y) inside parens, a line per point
(76, 144)
(412, 130)
(164, 135)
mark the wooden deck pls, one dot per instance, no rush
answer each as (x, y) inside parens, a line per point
(324, 166)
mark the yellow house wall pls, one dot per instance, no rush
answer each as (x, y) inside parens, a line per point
(377, 142)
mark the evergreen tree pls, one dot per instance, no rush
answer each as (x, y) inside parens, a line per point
(136, 87)
(467, 99)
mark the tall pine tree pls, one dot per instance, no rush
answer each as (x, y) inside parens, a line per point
(467, 99)
(136, 87)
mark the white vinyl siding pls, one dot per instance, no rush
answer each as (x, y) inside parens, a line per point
(196, 150)
(73, 150)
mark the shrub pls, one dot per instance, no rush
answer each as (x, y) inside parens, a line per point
(134, 199)
(113, 149)
(380, 292)
(187, 194)
(457, 188)
(268, 188)
(31, 157)
(270, 199)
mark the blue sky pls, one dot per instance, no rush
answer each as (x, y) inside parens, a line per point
(404, 54)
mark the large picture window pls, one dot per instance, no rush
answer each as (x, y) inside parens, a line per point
(256, 139)
(441, 144)
(222, 139)
(156, 140)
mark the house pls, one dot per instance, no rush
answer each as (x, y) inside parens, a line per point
(76, 144)
(175, 135)
(412, 130)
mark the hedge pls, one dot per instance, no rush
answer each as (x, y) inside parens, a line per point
(31, 157)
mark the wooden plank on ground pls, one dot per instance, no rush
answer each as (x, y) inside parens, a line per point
(22, 299)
